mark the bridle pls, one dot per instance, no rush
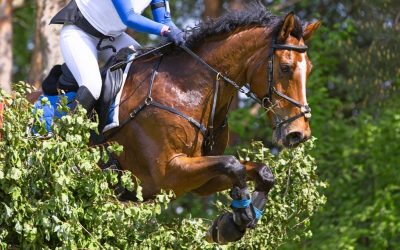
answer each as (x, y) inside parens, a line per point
(305, 110)
(267, 102)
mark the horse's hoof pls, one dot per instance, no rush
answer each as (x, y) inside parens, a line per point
(224, 230)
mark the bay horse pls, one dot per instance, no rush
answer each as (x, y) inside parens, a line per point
(174, 109)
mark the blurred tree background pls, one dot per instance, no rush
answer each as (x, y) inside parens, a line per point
(353, 91)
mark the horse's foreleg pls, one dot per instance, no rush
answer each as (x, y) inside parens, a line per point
(185, 174)
(222, 230)
(264, 181)
(257, 172)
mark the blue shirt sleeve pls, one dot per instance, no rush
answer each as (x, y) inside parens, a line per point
(160, 15)
(136, 21)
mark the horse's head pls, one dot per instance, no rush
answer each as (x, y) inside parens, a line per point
(280, 82)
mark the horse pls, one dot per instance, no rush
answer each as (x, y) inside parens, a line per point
(174, 108)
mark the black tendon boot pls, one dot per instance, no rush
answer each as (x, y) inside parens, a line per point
(85, 98)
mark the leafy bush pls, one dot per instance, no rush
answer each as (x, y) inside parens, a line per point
(53, 195)
(355, 118)
(362, 211)
(294, 198)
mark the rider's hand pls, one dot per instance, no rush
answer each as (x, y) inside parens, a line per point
(174, 34)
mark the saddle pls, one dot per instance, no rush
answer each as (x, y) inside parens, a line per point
(60, 79)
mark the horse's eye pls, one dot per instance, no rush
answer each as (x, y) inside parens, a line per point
(285, 68)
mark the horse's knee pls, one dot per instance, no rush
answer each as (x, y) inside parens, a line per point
(267, 179)
(233, 168)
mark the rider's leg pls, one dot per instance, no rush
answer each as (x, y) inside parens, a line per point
(80, 55)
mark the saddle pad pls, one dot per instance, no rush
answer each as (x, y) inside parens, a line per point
(107, 107)
(113, 118)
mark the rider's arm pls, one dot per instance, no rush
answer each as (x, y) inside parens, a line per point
(136, 21)
(162, 14)
(161, 11)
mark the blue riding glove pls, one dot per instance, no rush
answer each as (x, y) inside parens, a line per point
(175, 35)
(161, 14)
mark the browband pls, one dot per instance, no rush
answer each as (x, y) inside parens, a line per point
(300, 49)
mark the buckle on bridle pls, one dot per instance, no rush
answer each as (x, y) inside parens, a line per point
(264, 102)
(306, 111)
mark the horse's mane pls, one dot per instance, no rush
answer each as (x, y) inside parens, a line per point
(254, 14)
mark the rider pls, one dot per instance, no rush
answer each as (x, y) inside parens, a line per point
(88, 22)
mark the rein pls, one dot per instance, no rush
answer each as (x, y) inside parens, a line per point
(305, 110)
(209, 132)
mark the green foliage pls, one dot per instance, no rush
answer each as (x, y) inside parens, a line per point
(293, 200)
(248, 126)
(54, 196)
(364, 184)
(352, 91)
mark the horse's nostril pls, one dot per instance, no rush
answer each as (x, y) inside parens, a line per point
(294, 138)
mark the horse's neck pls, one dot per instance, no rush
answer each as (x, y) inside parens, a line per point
(234, 55)
(231, 54)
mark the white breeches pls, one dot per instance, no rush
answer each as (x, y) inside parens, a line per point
(81, 56)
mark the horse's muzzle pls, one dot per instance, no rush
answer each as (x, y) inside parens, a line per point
(292, 138)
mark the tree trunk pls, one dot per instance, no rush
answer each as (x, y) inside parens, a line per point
(236, 4)
(6, 61)
(212, 8)
(1, 116)
(46, 51)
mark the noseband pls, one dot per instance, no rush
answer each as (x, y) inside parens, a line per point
(305, 110)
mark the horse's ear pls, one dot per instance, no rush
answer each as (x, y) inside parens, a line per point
(287, 27)
(309, 29)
